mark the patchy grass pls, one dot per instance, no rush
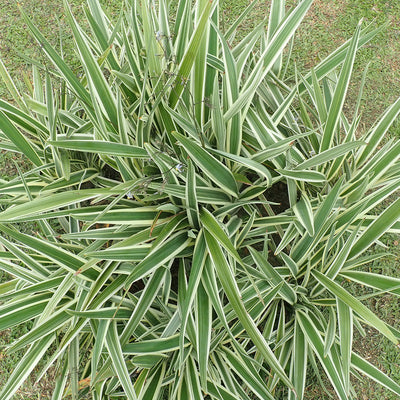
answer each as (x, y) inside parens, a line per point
(328, 24)
(17, 47)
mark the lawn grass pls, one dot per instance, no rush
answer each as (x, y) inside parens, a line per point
(328, 24)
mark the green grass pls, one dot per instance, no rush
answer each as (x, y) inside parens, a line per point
(327, 26)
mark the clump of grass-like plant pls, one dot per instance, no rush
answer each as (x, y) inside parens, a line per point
(198, 211)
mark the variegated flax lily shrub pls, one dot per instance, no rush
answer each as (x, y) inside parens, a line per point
(197, 210)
